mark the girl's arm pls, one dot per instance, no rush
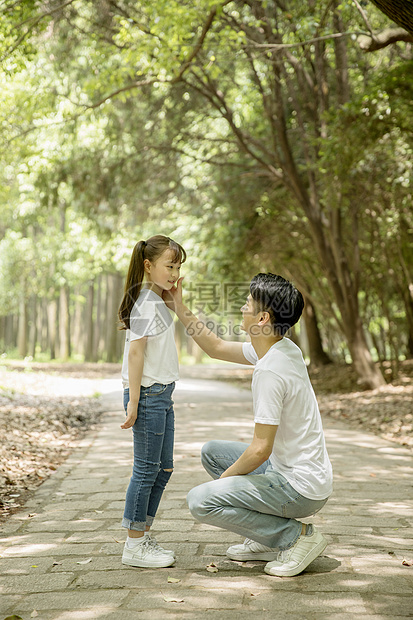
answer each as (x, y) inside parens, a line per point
(135, 371)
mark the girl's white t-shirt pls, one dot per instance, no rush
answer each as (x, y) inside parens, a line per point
(283, 396)
(150, 317)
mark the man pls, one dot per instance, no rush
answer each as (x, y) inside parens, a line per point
(260, 490)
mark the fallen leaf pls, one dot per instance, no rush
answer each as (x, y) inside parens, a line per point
(172, 599)
(407, 563)
(212, 568)
(99, 512)
(57, 563)
(84, 561)
(255, 593)
(34, 566)
(13, 617)
(373, 475)
(34, 614)
(173, 580)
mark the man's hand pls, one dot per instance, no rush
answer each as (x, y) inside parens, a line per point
(132, 414)
(173, 297)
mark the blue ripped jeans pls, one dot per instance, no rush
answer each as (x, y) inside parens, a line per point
(262, 506)
(153, 440)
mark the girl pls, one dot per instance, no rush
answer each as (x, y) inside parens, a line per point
(149, 371)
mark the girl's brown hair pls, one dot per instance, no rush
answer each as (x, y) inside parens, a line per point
(152, 250)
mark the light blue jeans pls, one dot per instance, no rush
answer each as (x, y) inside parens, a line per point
(153, 442)
(262, 505)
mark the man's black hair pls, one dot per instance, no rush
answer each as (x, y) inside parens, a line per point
(280, 298)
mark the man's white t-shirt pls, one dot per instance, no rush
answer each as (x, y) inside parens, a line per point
(150, 317)
(283, 395)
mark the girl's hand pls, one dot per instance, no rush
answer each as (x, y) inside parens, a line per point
(132, 414)
(173, 297)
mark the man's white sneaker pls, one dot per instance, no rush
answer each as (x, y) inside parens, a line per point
(155, 545)
(251, 550)
(294, 560)
(146, 555)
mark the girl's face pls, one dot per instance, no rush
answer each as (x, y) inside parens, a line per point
(163, 272)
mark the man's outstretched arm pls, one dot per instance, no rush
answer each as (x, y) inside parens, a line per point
(208, 341)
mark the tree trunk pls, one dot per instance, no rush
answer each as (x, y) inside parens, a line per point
(43, 326)
(340, 49)
(369, 374)
(52, 327)
(113, 294)
(78, 340)
(318, 357)
(97, 336)
(33, 327)
(22, 337)
(88, 325)
(64, 323)
(400, 11)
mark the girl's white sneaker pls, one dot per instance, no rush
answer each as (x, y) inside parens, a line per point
(155, 545)
(145, 554)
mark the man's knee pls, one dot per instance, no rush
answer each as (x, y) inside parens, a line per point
(208, 450)
(195, 503)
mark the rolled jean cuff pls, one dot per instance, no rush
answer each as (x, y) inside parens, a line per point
(149, 520)
(133, 525)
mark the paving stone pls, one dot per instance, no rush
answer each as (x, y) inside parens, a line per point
(93, 536)
(327, 602)
(193, 598)
(35, 583)
(390, 605)
(97, 563)
(78, 525)
(112, 516)
(58, 514)
(106, 599)
(38, 550)
(128, 577)
(25, 566)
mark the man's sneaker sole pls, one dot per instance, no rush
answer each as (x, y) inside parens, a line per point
(310, 557)
(264, 556)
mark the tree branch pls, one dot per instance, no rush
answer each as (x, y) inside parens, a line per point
(374, 42)
(131, 86)
(364, 16)
(198, 46)
(280, 46)
(36, 20)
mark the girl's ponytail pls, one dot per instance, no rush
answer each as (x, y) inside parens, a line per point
(133, 284)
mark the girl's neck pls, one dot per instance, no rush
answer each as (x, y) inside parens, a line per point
(153, 287)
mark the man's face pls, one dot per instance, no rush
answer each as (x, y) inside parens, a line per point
(249, 314)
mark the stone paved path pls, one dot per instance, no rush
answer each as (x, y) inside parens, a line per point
(60, 555)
